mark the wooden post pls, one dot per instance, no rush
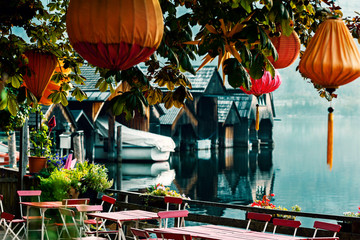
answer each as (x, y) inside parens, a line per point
(111, 138)
(23, 158)
(12, 149)
(119, 159)
(78, 140)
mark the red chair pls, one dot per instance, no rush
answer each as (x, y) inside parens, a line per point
(106, 200)
(30, 196)
(181, 214)
(64, 212)
(326, 226)
(173, 236)
(286, 223)
(259, 217)
(76, 201)
(324, 238)
(141, 234)
(8, 220)
(173, 200)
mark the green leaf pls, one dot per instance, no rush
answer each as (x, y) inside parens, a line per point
(3, 103)
(246, 4)
(63, 98)
(269, 67)
(55, 97)
(15, 80)
(186, 64)
(12, 106)
(257, 68)
(237, 74)
(79, 94)
(286, 27)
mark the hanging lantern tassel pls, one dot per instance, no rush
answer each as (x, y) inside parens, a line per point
(330, 138)
(257, 121)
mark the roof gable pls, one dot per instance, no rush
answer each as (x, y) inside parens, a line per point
(92, 92)
(169, 114)
(223, 109)
(242, 102)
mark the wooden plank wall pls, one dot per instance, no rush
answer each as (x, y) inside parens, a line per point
(8, 188)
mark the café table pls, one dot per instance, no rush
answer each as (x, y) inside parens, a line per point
(82, 209)
(216, 232)
(124, 216)
(43, 206)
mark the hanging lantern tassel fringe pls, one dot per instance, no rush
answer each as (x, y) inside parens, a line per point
(257, 121)
(330, 138)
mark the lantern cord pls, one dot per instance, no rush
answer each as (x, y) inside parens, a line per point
(257, 121)
(330, 138)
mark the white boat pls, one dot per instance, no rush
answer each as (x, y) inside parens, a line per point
(136, 144)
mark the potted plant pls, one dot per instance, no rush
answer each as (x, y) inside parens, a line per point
(350, 226)
(265, 202)
(40, 148)
(161, 191)
(94, 179)
(81, 181)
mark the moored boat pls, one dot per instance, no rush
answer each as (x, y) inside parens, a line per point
(136, 144)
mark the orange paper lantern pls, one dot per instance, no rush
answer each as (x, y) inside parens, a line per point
(53, 85)
(42, 66)
(288, 48)
(50, 87)
(331, 59)
(115, 34)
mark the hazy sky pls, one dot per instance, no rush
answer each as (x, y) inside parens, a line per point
(349, 6)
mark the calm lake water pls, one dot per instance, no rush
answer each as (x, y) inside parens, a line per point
(295, 170)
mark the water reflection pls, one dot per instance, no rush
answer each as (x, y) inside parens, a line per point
(231, 175)
(296, 170)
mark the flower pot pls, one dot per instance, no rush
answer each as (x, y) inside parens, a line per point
(36, 164)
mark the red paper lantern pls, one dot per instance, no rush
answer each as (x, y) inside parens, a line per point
(263, 85)
(288, 48)
(115, 34)
(42, 66)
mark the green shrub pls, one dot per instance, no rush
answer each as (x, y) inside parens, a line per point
(85, 176)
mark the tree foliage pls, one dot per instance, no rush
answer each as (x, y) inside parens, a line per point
(235, 31)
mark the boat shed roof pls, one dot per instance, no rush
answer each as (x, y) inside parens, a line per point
(199, 82)
(92, 92)
(242, 102)
(169, 114)
(223, 109)
(77, 114)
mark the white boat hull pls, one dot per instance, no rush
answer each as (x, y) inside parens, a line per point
(135, 153)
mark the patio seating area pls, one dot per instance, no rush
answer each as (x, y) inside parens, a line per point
(76, 216)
